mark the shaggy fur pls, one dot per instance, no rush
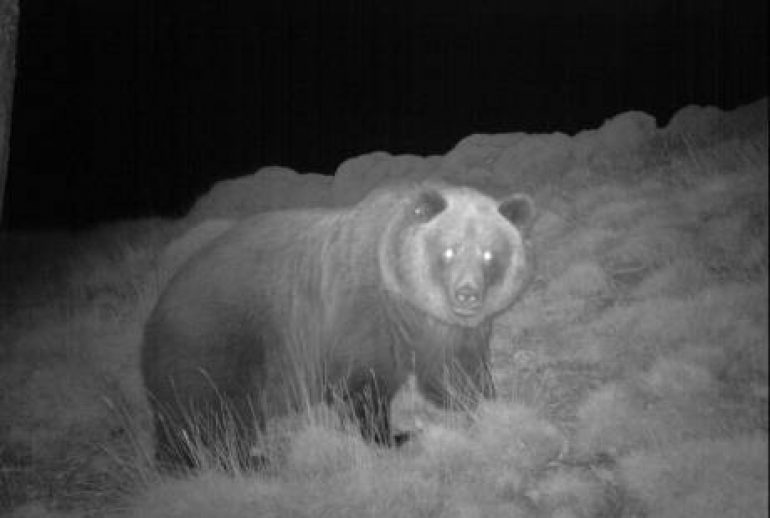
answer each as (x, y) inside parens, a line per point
(287, 306)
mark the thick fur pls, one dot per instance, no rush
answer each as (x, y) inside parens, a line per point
(287, 306)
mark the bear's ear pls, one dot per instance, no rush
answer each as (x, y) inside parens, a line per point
(429, 204)
(519, 209)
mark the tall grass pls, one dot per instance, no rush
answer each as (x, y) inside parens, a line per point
(632, 380)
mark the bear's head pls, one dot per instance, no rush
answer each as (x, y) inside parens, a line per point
(457, 254)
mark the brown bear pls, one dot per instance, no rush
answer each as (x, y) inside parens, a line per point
(289, 307)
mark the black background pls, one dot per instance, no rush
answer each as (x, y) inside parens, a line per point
(132, 108)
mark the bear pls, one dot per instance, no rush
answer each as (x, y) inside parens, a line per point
(299, 306)
(178, 251)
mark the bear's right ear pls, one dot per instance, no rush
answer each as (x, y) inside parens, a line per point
(429, 204)
(519, 209)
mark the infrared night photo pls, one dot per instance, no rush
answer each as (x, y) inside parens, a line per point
(293, 258)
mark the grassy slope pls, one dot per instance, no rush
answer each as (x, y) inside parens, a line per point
(633, 377)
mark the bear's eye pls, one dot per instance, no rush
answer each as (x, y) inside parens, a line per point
(449, 253)
(487, 256)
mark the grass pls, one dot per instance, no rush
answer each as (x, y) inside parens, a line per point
(632, 379)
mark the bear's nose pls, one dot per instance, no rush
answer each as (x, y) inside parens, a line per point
(468, 295)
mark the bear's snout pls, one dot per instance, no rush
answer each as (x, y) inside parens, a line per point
(467, 299)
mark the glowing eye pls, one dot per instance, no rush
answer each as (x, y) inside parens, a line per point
(449, 254)
(487, 256)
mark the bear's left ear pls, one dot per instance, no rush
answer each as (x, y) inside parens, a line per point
(519, 209)
(429, 204)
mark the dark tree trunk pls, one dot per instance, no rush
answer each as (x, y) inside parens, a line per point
(9, 19)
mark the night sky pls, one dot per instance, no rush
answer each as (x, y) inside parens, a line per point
(130, 108)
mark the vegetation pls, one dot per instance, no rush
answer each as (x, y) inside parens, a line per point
(632, 378)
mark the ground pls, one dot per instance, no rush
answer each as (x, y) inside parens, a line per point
(632, 377)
